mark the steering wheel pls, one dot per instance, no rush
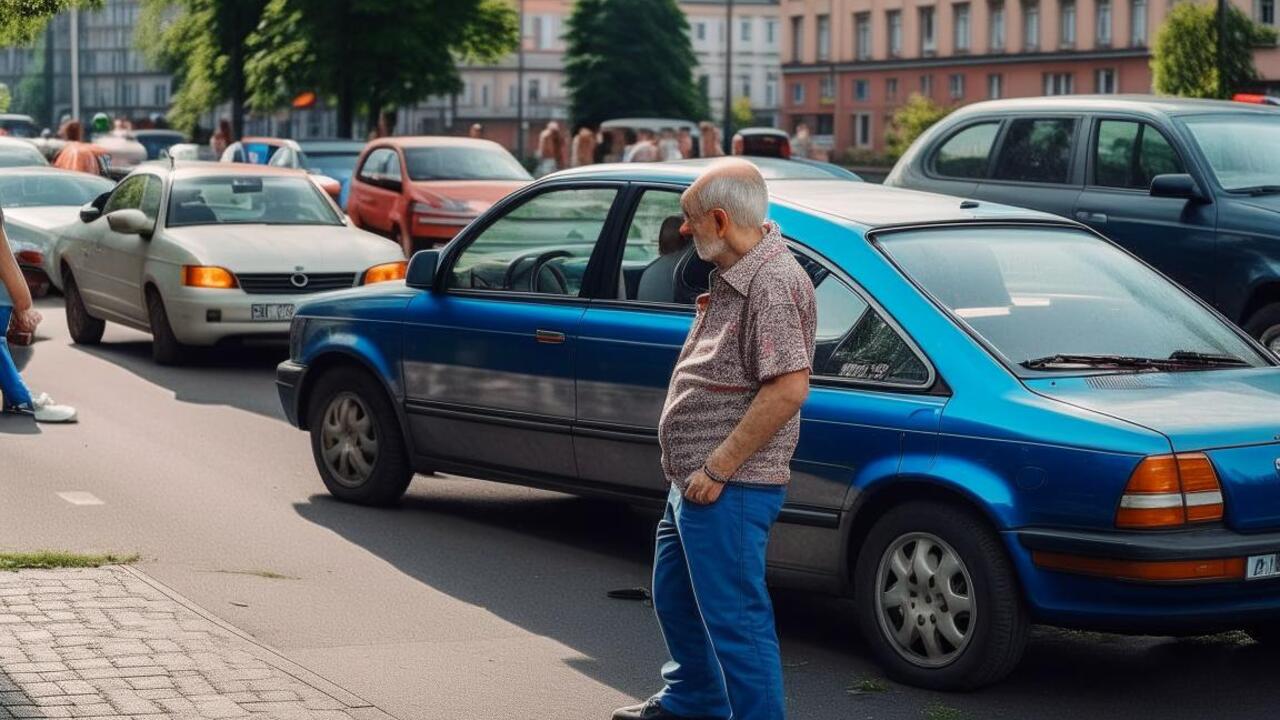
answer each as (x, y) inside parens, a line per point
(540, 260)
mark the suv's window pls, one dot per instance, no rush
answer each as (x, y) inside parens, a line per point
(375, 166)
(656, 253)
(966, 154)
(1128, 154)
(127, 195)
(854, 341)
(541, 246)
(282, 158)
(1036, 150)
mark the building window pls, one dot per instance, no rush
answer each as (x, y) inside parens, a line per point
(1030, 25)
(956, 84)
(1265, 11)
(891, 89)
(1104, 81)
(1138, 23)
(537, 31)
(995, 86)
(770, 32)
(1103, 16)
(995, 17)
(797, 38)
(928, 39)
(161, 94)
(700, 31)
(824, 37)
(1067, 23)
(771, 91)
(894, 18)
(827, 89)
(512, 96)
(826, 124)
(861, 90)
(960, 27)
(484, 95)
(862, 36)
(926, 85)
(535, 91)
(1059, 84)
(797, 93)
(745, 31)
(862, 130)
(745, 81)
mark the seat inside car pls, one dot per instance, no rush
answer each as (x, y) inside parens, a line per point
(658, 281)
(189, 208)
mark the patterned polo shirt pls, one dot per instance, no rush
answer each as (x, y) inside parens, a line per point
(756, 322)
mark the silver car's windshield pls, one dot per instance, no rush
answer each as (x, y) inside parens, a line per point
(1242, 148)
(249, 199)
(36, 189)
(1057, 298)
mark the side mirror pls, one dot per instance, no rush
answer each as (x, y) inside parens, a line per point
(422, 269)
(89, 213)
(1179, 185)
(129, 221)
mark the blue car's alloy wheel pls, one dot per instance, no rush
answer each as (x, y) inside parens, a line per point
(356, 438)
(926, 599)
(348, 441)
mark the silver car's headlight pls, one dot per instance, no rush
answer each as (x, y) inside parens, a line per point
(296, 329)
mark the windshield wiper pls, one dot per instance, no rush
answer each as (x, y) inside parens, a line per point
(1180, 359)
(1258, 189)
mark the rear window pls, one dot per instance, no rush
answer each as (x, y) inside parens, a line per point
(1037, 150)
(37, 189)
(967, 153)
(17, 156)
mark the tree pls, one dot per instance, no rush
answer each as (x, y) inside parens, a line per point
(909, 121)
(22, 21)
(630, 58)
(743, 115)
(204, 43)
(373, 54)
(1184, 59)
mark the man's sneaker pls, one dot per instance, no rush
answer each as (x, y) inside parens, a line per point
(647, 710)
(45, 410)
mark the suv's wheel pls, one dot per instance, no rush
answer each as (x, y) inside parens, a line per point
(356, 440)
(1265, 325)
(85, 329)
(165, 347)
(937, 598)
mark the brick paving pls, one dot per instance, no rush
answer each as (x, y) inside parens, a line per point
(112, 643)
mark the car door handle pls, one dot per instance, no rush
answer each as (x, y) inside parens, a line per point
(1091, 217)
(549, 337)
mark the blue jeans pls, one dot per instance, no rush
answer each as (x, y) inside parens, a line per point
(710, 597)
(12, 389)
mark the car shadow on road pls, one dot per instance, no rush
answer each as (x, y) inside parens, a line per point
(544, 562)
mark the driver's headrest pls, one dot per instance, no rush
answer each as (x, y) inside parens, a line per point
(669, 238)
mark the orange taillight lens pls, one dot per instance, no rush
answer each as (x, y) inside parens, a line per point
(385, 272)
(1171, 490)
(204, 276)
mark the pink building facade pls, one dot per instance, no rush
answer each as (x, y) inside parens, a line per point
(848, 64)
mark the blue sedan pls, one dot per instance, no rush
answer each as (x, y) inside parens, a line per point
(1012, 420)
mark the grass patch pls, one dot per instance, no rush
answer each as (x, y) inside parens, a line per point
(46, 559)
(868, 686)
(938, 711)
(269, 575)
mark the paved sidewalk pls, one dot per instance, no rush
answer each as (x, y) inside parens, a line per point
(113, 643)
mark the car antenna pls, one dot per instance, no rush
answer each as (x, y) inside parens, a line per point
(171, 162)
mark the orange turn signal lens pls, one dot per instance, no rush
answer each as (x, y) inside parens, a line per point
(385, 272)
(1169, 491)
(203, 276)
(1149, 571)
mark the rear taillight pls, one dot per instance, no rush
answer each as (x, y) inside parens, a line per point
(30, 257)
(1167, 491)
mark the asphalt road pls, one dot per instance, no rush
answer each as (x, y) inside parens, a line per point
(471, 600)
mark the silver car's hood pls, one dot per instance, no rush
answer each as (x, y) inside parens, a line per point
(285, 248)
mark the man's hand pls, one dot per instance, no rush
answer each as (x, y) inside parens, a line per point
(27, 320)
(701, 489)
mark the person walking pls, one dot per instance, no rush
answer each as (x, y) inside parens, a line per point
(221, 138)
(550, 150)
(584, 147)
(16, 312)
(728, 430)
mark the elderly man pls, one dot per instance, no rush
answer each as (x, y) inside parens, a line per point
(728, 430)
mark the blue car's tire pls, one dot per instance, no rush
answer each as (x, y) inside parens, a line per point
(356, 440)
(937, 598)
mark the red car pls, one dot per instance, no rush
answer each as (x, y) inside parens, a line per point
(420, 191)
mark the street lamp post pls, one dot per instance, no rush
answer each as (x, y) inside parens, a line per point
(520, 130)
(75, 64)
(728, 78)
(1222, 48)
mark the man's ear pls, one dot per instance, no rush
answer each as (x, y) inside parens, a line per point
(722, 221)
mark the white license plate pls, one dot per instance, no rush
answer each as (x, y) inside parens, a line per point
(1262, 566)
(273, 312)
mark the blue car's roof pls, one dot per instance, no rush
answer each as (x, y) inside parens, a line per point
(864, 204)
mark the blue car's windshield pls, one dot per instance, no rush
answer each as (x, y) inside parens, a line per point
(1242, 148)
(1036, 293)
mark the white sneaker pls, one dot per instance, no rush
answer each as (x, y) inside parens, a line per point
(45, 410)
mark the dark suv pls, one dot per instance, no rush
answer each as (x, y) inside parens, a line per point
(1190, 186)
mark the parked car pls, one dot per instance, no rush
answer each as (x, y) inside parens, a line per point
(196, 254)
(38, 203)
(157, 140)
(18, 126)
(189, 151)
(762, 142)
(264, 150)
(779, 169)
(420, 191)
(20, 153)
(980, 449)
(334, 159)
(123, 150)
(1190, 186)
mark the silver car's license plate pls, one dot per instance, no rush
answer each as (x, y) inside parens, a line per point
(273, 312)
(1262, 566)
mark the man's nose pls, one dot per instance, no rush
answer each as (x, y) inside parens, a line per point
(684, 228)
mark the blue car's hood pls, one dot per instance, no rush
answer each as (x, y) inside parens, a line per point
(1195, 410)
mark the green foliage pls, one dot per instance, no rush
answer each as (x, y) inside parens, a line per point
(30, 97)
(22, 21)
(1184, 59)
(630, 58)
(6, 98)
(909, 121)
(742, 114)
(59, 559)
(372, 54)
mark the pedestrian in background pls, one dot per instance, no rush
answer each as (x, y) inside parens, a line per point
(801, 142)
(728, 430)
(476, 131)
(584, 147)
(709, 142)
(685, 138)
(18, 315)
(645, 148)
(669, 146)
(551, 150)
(221, 138)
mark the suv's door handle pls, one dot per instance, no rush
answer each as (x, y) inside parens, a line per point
(549, 337)
(1091, 217)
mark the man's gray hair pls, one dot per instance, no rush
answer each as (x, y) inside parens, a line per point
(742, 195)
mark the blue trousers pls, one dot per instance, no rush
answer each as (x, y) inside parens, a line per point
(714, 609)
(12, 389)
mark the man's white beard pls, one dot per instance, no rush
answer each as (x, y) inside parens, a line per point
(709, 250)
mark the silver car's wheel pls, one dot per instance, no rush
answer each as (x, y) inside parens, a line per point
(348, 440)
(925, 600)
